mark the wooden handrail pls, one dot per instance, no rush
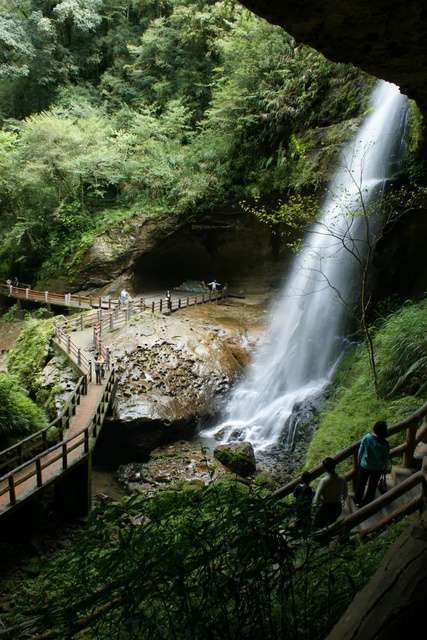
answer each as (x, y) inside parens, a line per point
(60, 423)
(406, 449)
(37, 464)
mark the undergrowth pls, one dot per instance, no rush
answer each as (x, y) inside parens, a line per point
(400, 347)
(217, 562)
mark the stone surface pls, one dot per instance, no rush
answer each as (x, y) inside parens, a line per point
(174, 371)
(385, 38)
(171, 466)
(392, 603)
(233, 247)
(239, 457)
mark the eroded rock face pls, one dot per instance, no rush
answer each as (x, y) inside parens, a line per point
(385, 39)
(148, 253)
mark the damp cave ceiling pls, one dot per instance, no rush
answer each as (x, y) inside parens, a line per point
(385, 38)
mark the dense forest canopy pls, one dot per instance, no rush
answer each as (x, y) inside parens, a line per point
(115, 108)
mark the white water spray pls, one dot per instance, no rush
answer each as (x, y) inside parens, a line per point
(304, 341)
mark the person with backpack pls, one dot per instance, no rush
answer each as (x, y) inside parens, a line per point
(373, 455)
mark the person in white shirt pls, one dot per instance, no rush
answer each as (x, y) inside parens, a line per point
(214, 284)
(330, 496)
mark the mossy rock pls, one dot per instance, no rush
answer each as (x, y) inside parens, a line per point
(265, 480)
(237, 456)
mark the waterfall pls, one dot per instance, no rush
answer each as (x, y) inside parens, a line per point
(302, 346)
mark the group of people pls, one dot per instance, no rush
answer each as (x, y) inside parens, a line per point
(324, 507)
(99, 368)
(14, 283)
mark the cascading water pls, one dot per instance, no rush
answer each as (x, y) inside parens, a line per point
(304, 341)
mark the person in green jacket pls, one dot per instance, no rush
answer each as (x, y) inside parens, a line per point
(373, 457)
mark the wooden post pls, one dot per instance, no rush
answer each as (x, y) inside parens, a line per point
(86, 440)
(355, 471)
(408, 456)
(64, 456)
(152, 307)
(12, 493)
(39, 472)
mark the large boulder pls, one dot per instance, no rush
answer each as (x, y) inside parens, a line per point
(237, 456)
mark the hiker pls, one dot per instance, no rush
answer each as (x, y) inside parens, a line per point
(373, 458)
(330, 495)
(16, 282)
(303, 495)
(123, 297)
(169, 300)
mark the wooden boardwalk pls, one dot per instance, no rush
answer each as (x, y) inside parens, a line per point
(77, 443)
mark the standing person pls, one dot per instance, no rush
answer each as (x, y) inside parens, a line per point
(97, 369)
(214, 284)
(303, 495)
(123, 297)
(329, 497)
(373, 458)
(16, 282)
(101, 363)
(169, 300)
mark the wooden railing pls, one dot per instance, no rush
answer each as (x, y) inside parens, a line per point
(73, 351)
(43, 439)
(48, 297)
(105, 302)
(60, 451)
(414, 436)
(109, 319)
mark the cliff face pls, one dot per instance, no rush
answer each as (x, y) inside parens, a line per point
(385, 38)
(150, 254)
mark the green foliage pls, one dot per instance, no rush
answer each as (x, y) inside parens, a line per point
(159, 107)
(208, 564)
(401, 348)
(19, 416)
(401, 356)
(31, 352)
(10, 314)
